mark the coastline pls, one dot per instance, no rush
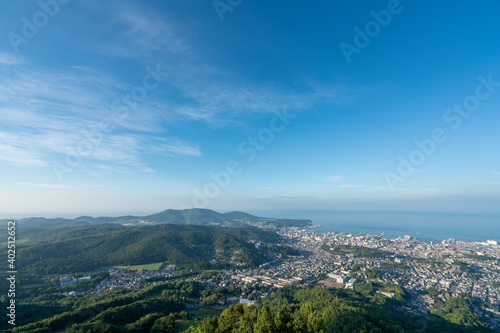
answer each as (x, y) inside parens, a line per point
(392, 234)
(426, 226)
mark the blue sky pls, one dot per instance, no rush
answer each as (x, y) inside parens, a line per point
(126, 106)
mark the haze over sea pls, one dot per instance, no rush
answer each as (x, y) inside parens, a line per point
(426, 226)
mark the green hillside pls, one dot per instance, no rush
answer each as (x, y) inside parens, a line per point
(294, 310)
(189, 216)
(265, 221)
(81, 249)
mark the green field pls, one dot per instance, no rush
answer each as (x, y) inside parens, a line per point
(149, 267)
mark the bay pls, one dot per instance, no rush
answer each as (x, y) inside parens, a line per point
(426, 226)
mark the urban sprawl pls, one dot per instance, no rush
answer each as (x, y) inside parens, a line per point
(452, 268)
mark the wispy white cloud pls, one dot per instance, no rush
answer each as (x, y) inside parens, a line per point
(173, 147)
(19, 156)
(495, 173)
(203, 92)
(285, 197)
(353, 186)
(137, 31)
(43, 185)
(9, 59)
(336, 179)
(47, 115)
(372, 188)
(218, 98)
(58, 186)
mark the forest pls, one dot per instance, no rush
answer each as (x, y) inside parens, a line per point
(322, 310)
(83, 249)
(176, 305)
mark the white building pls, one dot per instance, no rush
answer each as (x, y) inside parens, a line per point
(338, 278)
(247, 301)
(350, 283)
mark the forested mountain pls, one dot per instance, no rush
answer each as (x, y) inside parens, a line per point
(160, 308)
(80, 249)
(193, 216)
(319, 310)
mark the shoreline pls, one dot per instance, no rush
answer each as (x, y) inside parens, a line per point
(436, 237)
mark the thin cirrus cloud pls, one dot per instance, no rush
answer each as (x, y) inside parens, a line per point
(61, 186)
(372, 188)
(9, 59)
(336, 179)
(203, 92)
(47, 115)
(56, 186)
(216, 101)
(354, 186)
(137, 31)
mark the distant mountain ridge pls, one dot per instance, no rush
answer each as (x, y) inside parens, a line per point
(194, 216)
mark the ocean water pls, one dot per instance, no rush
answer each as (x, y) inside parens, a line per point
(422, 225)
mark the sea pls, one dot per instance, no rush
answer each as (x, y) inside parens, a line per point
(426, 226)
